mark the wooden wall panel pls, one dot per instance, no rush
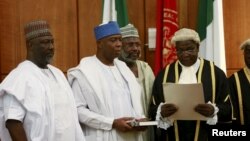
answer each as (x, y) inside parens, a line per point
(89, 16)
(187, 13)
(182, 6)
(236, 25)
(9, 35)
(62, 17)
(150, 22)
(192, 10)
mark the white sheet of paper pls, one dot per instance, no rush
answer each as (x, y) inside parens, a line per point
(186, 97)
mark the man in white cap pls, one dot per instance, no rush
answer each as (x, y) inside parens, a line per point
(130, 54)
(106, 91)
(37, 101)
(240, 88)
(189, 68)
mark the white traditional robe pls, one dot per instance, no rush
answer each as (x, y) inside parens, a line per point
(50, 112)
(146, 79)
(95, 103)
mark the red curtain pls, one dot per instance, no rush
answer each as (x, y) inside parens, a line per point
(166, 25)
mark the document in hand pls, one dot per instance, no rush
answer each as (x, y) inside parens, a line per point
(142, 123)
(185, 97)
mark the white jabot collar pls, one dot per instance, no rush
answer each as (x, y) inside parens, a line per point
(188, 74)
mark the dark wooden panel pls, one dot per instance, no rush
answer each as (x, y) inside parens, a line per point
(150, 22)
(62, 17)
(89, 16)
(2, 77)
(236, 25)
(182, 6)
(9, 35)
(187, 13)
(192, 10)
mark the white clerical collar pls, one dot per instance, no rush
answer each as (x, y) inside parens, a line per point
(195, 66)
(188, 74)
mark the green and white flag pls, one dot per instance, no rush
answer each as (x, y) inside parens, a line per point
(211, 30)
(115, 10)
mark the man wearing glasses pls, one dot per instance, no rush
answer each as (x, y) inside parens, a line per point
(189, 68)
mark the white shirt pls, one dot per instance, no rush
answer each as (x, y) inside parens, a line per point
(120, 94)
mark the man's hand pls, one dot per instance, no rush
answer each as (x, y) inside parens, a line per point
(205, 109)
(16, 130)
(140, 128)
(121, 124)
(168, 109)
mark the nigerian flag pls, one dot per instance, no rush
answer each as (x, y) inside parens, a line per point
(211, 31)
(115, 10)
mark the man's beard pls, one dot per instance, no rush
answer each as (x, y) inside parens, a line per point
(49, 59)
(125, 57)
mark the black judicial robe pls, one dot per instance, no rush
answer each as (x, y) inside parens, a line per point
(240, 95)
(208, 74)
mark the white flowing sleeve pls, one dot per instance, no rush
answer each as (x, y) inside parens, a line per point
(12, 108)
(214, 119)
(85, 115)
(163, 123)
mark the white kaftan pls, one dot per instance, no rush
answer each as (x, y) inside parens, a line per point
(102, 94)
(146, 79)
(45, 104)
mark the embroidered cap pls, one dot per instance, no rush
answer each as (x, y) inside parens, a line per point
(36, 29)
(185, 34)
(108, 29)
(244, 44)
(129, 31)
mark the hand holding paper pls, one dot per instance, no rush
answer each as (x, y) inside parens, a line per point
(168, 109)
(205, 109)
(186, 97)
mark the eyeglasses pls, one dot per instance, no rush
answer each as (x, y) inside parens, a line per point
(188, 51)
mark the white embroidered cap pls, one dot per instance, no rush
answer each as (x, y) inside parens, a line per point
(129, 31)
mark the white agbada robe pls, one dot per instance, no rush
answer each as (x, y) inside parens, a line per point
(103, 94)
(42, 101)
(146, 80)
